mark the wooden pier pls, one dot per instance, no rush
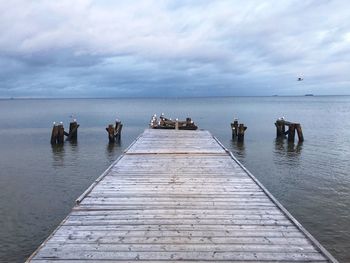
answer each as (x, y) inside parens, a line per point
(179, 196)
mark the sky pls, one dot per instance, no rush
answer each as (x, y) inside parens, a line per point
(176, 48)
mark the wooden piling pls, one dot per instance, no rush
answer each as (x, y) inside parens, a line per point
(60, 134)
(54, 134)
(284, 129)
(280, 128)
(240, 133)
(292, 126)
(118, 130)
(234, 127)
(110, 130)
(114, 131)
(291, 132)
(300, 133)
(73, 131)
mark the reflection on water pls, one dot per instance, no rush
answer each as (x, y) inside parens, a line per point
(284, 146)
(69, 149)
(112, 149)
(58, 154)
(73, 145)
(296, 148)
(238, 149)
(287, 152)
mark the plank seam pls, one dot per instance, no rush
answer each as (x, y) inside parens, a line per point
(177, 153)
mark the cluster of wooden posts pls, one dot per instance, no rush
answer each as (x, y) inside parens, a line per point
(165, 123)
(292, 127)
(238, 130)
(114, 131)
(58, 132)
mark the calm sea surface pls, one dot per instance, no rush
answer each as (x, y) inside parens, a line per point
(39, 183)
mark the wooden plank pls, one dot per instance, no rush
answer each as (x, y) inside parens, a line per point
(306, 248)
(178, 195)
(221, 229)
(161, 255)
(178, 212)
(173, 261)
(109, 239)
(174, 216)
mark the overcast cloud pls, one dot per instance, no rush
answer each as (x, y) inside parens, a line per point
(86, 48)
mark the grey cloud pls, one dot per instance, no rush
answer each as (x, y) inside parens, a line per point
(176, 48)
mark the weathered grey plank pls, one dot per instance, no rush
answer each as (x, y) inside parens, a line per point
(178, 196)
(109, 239)
(169, 261)
(306, 248)
(161, 255)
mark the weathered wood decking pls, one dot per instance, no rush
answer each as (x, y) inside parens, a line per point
(179, 195)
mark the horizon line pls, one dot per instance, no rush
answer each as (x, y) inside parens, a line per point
(170, 97)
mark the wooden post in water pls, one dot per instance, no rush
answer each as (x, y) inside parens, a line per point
(292, 126)
(54, 134)
(280, 128)
(73, 131)
(234, 127)
(60, 134)
(240, 133)
(291, 132)
(110, 130)
(114, 131)
(300, 133)
(118, 129)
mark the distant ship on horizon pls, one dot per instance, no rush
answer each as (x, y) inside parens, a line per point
(309, 95)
